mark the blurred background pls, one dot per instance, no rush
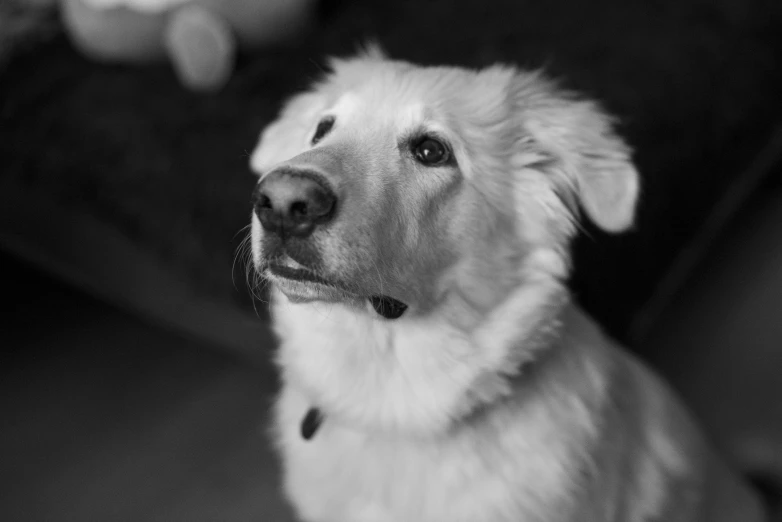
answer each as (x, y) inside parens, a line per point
(134, 366)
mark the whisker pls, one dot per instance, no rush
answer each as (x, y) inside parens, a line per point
(379, 277)
(248, 225)
(244, 245)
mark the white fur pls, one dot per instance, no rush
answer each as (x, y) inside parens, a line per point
(493, 398)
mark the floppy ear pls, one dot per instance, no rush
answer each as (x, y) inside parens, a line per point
(575, 143)
(289, 134)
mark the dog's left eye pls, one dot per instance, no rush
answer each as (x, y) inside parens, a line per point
(431, 152)
(324, 127)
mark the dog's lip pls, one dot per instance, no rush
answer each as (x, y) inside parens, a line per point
(296, 273)
(302, 285)
(385, 306)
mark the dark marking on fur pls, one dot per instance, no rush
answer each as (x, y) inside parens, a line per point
(311, 422)
(388, 307)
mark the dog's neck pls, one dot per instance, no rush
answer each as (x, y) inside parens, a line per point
(370, 373)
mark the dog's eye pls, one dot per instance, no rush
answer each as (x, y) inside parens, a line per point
(431, 152)
(324, 126)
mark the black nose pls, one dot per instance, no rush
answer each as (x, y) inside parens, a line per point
(292, 202)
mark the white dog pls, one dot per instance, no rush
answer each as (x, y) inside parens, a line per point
(414, 224)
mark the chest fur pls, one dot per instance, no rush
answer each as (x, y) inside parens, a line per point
(406, 374)
(389, 449)
(493, 469)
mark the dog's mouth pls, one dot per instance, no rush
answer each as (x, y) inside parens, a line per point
(302, 284)
(296, 273)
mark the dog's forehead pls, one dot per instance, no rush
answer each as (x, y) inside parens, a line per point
(410, 92)
(362, 106)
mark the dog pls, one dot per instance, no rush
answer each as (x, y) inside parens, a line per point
(413, 224)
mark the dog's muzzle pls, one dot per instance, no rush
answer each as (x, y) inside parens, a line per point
(291, 203)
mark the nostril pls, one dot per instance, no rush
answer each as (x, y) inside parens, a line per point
(321, 204)
(264, 208)
(264, 202)
(299, 211)
(261, 200)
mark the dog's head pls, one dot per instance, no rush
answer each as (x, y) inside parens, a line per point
(402, 186)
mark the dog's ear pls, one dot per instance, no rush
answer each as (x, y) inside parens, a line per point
(574, 142)
(290, 133)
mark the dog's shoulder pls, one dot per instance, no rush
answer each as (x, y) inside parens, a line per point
(670, 469)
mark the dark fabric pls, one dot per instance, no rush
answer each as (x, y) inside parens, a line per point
(695, 83)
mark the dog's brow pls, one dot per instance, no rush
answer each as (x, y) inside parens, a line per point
(345, 104)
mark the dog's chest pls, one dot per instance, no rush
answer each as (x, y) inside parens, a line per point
(378, 374)
(516, 463)
(485, 474)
